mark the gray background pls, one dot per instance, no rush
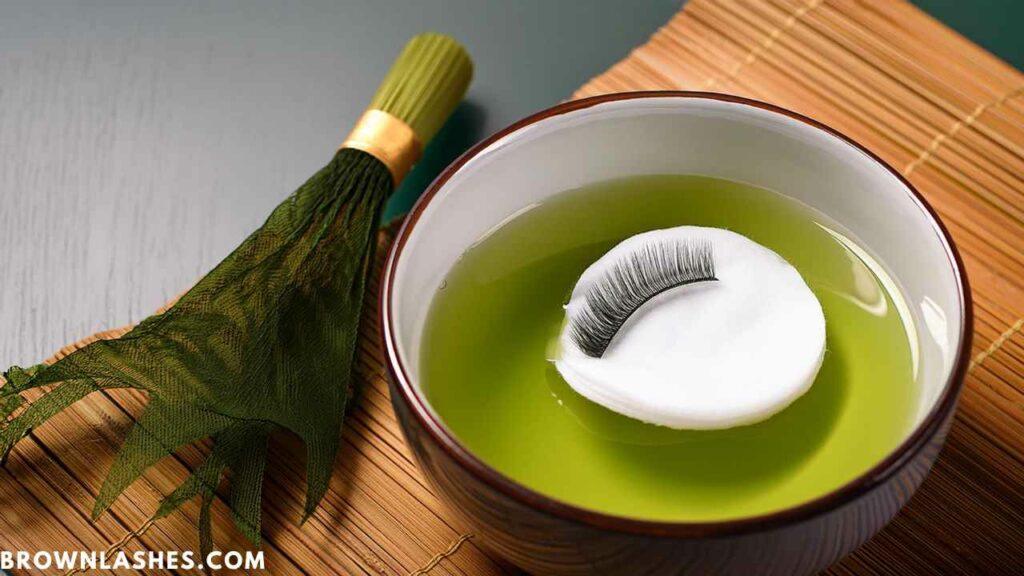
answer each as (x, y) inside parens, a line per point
(141, 141)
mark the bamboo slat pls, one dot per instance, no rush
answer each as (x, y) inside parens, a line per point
(946, 112)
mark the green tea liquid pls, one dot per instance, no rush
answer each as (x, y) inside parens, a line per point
(490, 333)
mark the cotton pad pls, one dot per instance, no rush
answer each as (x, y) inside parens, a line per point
(705, 355)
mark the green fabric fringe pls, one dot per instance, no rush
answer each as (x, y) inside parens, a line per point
(264, 342)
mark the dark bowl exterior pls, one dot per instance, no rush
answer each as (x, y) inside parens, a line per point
(548, 537)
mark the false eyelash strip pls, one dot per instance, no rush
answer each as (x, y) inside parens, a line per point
(632, 281)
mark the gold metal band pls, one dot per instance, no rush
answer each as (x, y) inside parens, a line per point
(388, 139)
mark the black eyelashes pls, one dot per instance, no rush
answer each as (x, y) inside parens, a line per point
(632, 281)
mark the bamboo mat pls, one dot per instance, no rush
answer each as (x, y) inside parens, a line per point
(927, 100)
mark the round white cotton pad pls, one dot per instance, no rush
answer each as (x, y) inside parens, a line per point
(706, 355)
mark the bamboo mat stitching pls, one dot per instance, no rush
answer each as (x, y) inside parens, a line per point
(766, 45)
(452, 549)
(996, 345)
(927, 154)
(959, 125)
(117, 546)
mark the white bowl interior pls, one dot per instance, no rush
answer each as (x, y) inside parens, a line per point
(689, 135)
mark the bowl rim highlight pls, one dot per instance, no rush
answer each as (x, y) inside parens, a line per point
(859, 486)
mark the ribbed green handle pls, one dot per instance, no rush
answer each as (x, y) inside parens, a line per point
(425, 84)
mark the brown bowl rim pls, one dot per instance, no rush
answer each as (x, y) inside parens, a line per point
(848, 492)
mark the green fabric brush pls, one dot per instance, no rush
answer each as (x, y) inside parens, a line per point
(266, 340)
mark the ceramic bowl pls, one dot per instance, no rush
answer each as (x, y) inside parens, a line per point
(612, 136)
